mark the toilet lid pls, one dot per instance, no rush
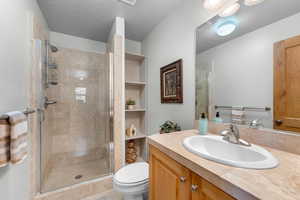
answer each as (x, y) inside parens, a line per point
(133, 173)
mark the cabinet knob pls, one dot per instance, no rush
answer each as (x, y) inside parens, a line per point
(278, 122)
(182, 179)
(194, 188)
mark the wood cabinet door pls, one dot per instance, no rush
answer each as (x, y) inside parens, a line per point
(204, 190)
(287, 85)
(168, 179)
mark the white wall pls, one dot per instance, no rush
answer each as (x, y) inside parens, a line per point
(132, 46)
(15, 56)
(172, 39)
(244, 66)
(73, 42)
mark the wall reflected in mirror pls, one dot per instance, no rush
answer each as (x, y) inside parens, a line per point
(235, 61)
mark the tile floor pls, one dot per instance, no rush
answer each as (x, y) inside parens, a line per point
(110, 195)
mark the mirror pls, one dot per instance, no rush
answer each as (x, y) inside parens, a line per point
(240, 61)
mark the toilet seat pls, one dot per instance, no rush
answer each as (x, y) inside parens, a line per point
(132, 181)
(132, 174)
(131, 184)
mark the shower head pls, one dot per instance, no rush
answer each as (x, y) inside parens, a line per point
(54, 49)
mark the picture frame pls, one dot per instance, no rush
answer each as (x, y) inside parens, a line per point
(171, 90)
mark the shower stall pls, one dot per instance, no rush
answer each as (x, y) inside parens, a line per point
(75, 117)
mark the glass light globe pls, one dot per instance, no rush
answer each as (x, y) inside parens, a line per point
(226, 28)
(213, 5)
(230, 10)
(252, 2)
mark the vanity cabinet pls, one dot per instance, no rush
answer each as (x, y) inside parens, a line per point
(169, 180)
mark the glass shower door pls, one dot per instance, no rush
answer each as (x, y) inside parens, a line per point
(76, 130)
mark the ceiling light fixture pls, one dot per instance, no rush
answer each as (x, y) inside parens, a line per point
(225, 26)
(252, 2)
(129, 2)
(230, 10)
(226, 29)
(213, 5)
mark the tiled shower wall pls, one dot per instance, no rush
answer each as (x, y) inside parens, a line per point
(76, 128)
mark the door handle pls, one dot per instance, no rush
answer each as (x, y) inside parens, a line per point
(194, 188)
(278, 122)
(182, 179)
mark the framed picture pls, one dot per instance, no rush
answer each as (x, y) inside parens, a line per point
(171, 83)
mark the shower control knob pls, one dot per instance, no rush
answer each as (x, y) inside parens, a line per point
(49, 102)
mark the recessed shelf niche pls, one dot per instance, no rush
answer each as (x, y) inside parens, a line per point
(136, 89)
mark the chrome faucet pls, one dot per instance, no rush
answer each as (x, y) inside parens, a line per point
(232, 135)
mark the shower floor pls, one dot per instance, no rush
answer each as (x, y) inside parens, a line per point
(63, 176)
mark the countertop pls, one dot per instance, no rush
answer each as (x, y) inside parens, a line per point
(281, 183)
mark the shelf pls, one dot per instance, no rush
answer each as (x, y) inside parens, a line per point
(135, 83)
(136, 110)
(136, 57)
(138, 136)
(135, 88)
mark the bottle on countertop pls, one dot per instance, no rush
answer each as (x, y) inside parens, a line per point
(203, 125)
(218, 118)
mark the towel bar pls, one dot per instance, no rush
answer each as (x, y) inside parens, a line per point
(26, 112)
(243, 108)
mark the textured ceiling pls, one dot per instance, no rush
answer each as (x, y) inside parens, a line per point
(250, 18)
(93, 19)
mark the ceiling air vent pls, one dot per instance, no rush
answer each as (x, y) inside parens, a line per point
(129, 2)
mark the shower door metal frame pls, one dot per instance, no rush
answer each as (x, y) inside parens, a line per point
(111, 112)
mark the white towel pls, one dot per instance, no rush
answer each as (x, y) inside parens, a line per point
(18, 137)
(4, 143)
(238, 117)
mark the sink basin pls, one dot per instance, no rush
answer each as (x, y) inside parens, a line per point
(216, 149)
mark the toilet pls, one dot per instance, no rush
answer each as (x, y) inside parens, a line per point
(132, 181)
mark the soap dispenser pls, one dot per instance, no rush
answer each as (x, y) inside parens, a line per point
(203, 125)
(218, 118)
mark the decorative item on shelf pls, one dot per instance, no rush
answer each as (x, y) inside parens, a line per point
(171, 83)
(130, 144)
(130, 103)
(131, 131)
(169, 127)
(131, 152)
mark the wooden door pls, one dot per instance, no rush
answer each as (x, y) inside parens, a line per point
(204, 190)
(168, 179)
(287, 85)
